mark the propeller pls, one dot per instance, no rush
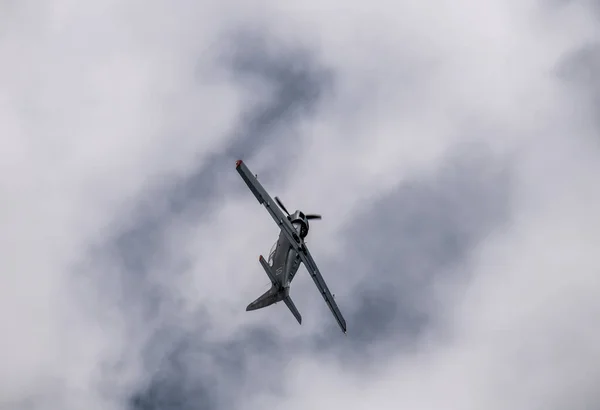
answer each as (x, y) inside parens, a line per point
(310, 216)
(281, 205)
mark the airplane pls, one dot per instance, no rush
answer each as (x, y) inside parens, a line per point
(287, 252)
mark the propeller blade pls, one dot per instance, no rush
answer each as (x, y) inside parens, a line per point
(313, 216)
(281, 205)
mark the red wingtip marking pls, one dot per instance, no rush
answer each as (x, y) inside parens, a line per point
(238, 162)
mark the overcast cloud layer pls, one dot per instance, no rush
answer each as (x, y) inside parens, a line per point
(452, 149)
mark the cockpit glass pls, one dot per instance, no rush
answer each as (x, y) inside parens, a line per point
(272, 253)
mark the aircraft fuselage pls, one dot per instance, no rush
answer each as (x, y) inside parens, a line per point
(282, 266)
(284, 262)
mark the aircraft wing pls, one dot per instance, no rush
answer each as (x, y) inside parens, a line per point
(313, 270)
(265, 199)
(286, 227)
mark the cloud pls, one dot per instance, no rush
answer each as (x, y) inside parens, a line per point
(580, 70)
(217, 367)
(442, 145)
(418, 235)
(374, 312)
(143, 250)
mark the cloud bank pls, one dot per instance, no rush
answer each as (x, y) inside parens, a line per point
(452, 150)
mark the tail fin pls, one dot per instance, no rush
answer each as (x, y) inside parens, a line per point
(292, 307)
(267, 269)
(274, 294)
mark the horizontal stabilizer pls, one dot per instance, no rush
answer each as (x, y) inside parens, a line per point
(271, 296)
(292, 307)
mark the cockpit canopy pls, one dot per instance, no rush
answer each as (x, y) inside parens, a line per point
(272, 253)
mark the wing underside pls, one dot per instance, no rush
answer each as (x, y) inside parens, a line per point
(265, 199)
(286, 227)
(313, 271)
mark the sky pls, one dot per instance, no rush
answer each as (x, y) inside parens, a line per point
(451, 147)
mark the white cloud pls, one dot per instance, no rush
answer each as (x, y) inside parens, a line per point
(88, 112)
(100, 101)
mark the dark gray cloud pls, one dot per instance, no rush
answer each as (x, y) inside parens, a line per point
(296, 85)
(206, 375)
(581, 70)
(397, 250)
(593, 5)
(397, 247)
(406, 241)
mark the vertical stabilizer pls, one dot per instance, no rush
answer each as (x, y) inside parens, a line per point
(274, 294)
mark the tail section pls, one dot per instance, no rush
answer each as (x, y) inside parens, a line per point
(267, 269)
(274, 294)
(292, 307)
(266, 299)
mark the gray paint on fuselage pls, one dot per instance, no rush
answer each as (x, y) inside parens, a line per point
(283, 267)
(285, 262)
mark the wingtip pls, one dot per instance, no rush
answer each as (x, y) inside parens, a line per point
(238, 163)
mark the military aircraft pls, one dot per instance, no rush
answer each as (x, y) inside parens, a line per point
(287, 253)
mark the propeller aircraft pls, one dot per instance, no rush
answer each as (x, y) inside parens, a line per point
(287, 253)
